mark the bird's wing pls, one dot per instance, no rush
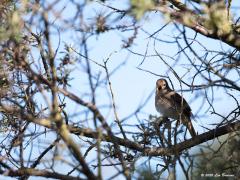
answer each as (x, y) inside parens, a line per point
(181, 104)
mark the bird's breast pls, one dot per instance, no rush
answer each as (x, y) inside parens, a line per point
(165, 107)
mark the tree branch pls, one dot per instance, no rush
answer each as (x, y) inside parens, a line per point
(175, 149)
(41, 173)
(195, 22)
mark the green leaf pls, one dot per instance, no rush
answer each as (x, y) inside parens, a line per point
(139, 7)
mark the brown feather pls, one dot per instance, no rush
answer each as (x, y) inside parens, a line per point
(179, 101)
(171, 104)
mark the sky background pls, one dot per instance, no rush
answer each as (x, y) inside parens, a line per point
(131, 85)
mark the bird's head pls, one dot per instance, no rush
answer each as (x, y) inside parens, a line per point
(161, 85)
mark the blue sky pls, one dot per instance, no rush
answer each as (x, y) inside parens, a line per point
(132, 86)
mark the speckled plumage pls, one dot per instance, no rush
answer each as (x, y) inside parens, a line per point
(170, 104)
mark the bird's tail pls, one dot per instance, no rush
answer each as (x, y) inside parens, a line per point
(191, 128)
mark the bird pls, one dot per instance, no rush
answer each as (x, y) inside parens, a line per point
(172, 105)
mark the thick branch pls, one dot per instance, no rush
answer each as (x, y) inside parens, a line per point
(198, 139)
(176, 149)
(196, 23)
(41, 173)
(101, 118)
